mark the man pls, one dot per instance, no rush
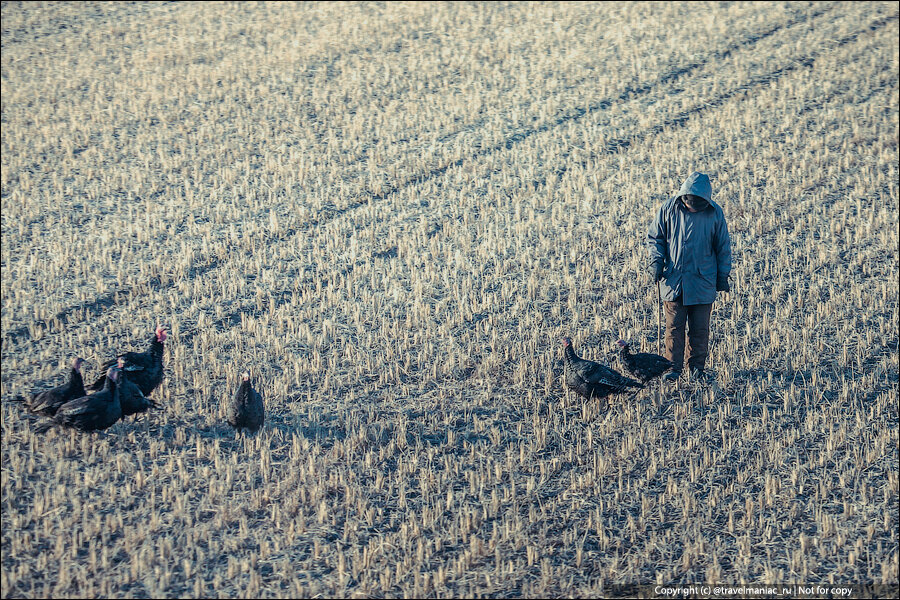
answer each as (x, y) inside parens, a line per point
(690, 254)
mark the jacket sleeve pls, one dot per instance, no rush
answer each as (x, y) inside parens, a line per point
(722, 247)
(656, 238)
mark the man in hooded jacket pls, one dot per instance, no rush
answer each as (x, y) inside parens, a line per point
(690, 255)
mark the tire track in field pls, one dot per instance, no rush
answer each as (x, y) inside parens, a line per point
(581, 112)
(320, 61)
(621, 144)
(624, 143)
(642, 89)
(667, 78)
(126, 294)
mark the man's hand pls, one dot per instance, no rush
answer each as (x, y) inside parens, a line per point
(722, 285)
(656, 271)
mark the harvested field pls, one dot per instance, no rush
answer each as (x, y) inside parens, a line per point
(390, 213)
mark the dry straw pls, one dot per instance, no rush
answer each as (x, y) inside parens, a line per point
(386, 211)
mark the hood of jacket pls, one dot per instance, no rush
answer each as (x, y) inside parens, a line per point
(697, 184)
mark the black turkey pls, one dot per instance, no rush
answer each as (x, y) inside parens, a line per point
(48, 402)
(91, 413)
(246, 409)
(643, 365)
(590, 379)
(143, 368)
(130, 396)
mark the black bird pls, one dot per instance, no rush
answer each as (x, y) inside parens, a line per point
(643, 365)
(91, 413)
(590, 379)
(130, 396)
(246, 408)
(47, 402)
(143, 368)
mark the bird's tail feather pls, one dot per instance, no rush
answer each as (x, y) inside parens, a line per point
(43, 427)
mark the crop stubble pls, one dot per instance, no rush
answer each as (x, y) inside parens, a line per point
(400, 288)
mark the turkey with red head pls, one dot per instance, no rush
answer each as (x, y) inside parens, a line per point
(145, 369)
(47, 402)
(590, 379)
(643, 365)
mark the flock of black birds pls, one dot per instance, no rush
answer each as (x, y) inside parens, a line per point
(127, 380)
(123, 389)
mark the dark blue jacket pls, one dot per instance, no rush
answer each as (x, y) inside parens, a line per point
(694, 248)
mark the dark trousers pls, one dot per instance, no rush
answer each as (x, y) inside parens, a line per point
(696, 316)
